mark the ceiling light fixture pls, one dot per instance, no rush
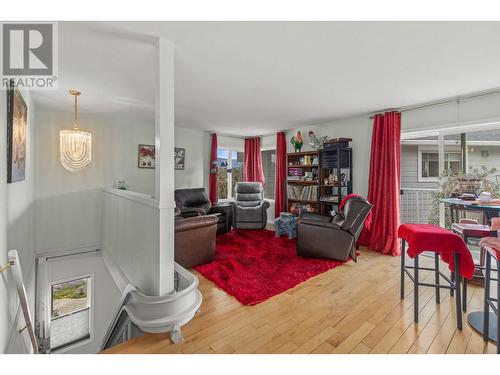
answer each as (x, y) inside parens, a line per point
(75, 144)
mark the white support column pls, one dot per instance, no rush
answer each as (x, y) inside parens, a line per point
(441, 170)
(441, 153)
(164, 173)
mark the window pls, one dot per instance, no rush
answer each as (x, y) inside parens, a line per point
(230, 164)
(429, 164)
(70, 312)
(269, 169)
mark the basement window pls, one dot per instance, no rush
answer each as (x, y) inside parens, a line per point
(70, 320)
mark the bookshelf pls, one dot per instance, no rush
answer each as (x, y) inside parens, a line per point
(318, 180)
(302, 184)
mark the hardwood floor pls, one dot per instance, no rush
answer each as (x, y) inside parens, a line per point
(354, 308)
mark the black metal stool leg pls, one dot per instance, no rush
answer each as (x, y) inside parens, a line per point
(415, 290)
(487, 282)
(403, 256)
(452, 278)
(458, 299)
(464, 297)
(464, 294)
(436, 277)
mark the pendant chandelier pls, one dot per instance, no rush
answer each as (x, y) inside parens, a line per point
(75, 143)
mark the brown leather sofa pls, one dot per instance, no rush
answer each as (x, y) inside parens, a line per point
(320, 236)
(195, 240)
(195, 202)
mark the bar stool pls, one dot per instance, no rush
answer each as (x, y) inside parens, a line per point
(443, 243)
(491, 302)
(468, 229)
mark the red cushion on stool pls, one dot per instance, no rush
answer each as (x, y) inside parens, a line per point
(430, 237)
(472, 230)
(492, 246)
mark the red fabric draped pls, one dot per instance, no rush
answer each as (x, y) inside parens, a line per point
(252, 168)
(213, 194)
(279, 186)
(384, 185)
(431, 237)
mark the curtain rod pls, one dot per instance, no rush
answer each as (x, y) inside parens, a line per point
(245, 137)
(441, 101)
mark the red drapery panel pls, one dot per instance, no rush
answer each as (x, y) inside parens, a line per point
(252, 168)
(213, 194)
(279, 186)
(384, 185)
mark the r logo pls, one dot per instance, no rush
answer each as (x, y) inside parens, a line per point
(27, 49)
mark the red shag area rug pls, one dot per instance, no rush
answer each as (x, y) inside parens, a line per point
(254, 265)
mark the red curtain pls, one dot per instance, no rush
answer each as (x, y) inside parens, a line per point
(252, 168)
(213, 194)
(279, 186)
(384, 185)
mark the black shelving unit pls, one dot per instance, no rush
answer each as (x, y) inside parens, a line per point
(335, 173)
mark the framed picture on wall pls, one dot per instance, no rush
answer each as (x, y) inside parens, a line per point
(147, 156)
(17, 124)
(180, 157)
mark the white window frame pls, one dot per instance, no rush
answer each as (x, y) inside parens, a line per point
(90, 299)
(269, 148)
(230, 150)
(424, 149)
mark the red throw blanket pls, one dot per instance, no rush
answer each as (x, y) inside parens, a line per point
(368, 220)
(430, 237)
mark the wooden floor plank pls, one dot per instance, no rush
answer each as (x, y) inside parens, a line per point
(354, 308)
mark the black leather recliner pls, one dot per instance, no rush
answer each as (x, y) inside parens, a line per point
(195, 202)
(320, 236)
(249, 206)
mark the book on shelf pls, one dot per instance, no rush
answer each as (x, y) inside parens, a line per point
(295, 172)
(306, 193)
(306, 160)
(329, 198)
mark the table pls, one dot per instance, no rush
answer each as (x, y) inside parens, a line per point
(476, 318)
(456, 204)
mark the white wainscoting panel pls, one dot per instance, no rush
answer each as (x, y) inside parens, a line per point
(130, 236)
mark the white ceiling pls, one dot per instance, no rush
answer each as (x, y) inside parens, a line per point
(248, 78)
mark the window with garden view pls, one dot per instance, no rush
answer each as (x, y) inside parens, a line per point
(230, 163)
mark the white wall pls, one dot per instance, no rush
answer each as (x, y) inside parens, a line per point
(357, 128)
(197, 145)
(16, 226)
(68, 206)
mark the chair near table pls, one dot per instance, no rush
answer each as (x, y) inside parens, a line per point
(471, 229)
(492, 253)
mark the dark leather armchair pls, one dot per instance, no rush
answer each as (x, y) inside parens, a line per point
(195, 202)
(335, 237)
(249, 206)
(195, 240)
